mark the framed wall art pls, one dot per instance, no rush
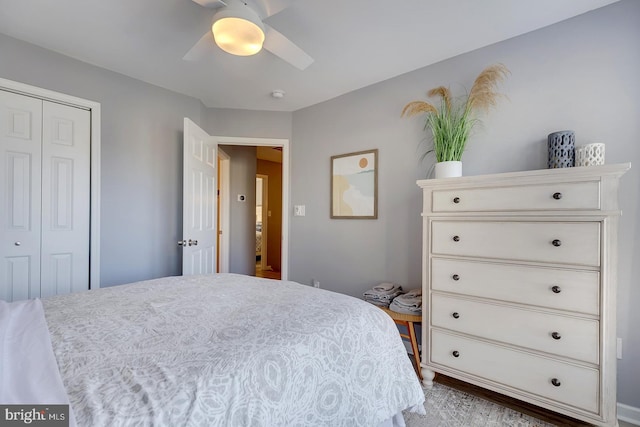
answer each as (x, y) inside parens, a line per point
(354, 185)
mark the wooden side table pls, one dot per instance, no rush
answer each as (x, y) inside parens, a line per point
(407, 320)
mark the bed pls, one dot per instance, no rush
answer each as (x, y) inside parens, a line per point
(226, 350)
(258, 241)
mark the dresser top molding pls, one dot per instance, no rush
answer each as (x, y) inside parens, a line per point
(539, 176)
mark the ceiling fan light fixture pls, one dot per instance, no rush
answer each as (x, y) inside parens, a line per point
(238, 31)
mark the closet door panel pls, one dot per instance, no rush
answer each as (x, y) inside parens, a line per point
(20, 189)
(17, 278)
(65, 199)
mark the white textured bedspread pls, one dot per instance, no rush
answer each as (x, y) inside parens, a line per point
(228, 350)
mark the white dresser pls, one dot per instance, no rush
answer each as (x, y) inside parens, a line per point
(519, 276)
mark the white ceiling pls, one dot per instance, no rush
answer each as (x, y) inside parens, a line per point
(355, 43)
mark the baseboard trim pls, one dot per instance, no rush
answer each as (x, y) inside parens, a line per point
(629, 414)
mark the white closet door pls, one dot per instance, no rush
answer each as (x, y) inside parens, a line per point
(20, 189)
(65, 199)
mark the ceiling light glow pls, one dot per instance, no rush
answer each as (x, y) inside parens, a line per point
(238, 35)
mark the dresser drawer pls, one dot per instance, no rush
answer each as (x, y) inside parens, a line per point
(574, 337)
(568, 195)
(572, 290)
(577, 386)
(558, 242)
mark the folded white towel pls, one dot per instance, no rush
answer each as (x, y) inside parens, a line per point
(383, 294)
(374, 294)
(398, 308)
(414, 292)
(409, 301)
(385, 287)
(415, 303)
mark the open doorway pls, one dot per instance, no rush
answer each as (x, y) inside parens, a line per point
(275, 216)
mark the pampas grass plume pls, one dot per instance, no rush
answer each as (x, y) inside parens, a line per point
(451, 124)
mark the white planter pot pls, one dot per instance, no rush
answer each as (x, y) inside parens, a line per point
(448, 169)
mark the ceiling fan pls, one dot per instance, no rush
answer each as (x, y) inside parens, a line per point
(238, 28)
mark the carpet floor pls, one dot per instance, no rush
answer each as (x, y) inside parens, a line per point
(448, 407)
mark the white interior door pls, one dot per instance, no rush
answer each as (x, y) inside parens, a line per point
(199, 227)
(66, 160)
(20, 189)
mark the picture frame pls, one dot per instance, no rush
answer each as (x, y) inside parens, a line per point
(354, 185)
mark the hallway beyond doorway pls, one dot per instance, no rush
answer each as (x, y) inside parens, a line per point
(267, 274)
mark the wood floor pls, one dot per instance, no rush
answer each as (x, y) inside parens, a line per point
(267, 274)
(516, 405)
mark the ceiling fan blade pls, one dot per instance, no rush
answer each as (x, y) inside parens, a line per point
(211, 4)
(266, 8)
(201, 49)
(284, 48)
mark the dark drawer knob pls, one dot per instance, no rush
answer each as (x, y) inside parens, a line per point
(456, 200)
(455, 277)
(556, 382)
(456, 238)
(456, 353)
(556, 289)
(557, 196)
(456, 315)
(556, 243)
(556, 336)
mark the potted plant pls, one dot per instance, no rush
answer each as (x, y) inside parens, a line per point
(452, 121)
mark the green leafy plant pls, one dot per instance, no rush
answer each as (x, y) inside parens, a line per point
(452, 121)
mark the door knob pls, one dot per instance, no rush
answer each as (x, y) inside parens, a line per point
(193, 242)
(182, 243)
(17, 243)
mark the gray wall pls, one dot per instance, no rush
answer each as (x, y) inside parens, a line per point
(581, 74)
(141, 161)
(248, 124)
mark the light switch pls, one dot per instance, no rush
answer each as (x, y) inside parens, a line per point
(298, 210)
